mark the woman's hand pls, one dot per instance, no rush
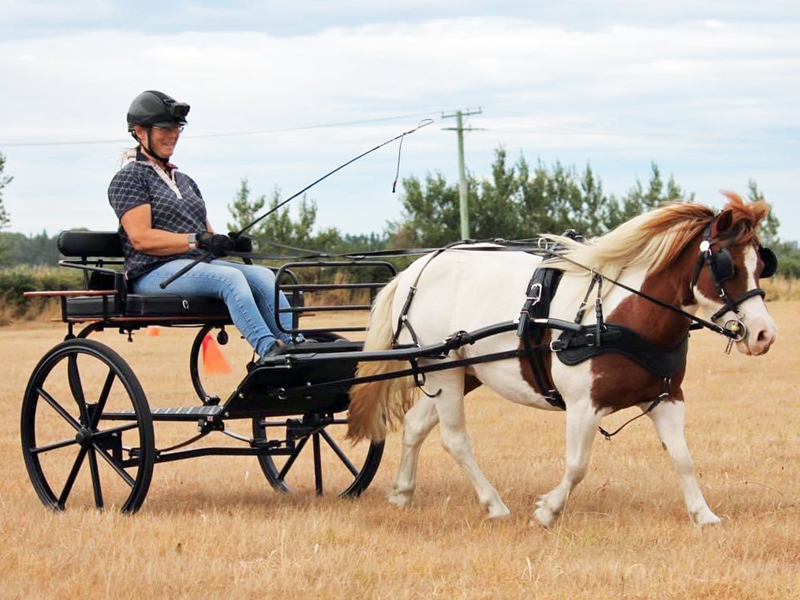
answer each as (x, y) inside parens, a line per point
(215, 243)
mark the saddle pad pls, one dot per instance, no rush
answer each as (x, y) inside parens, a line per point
(664, 362)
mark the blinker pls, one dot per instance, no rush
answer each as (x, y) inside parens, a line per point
(723, 264)
(770, 262)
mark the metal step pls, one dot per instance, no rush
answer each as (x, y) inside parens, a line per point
(180, 413)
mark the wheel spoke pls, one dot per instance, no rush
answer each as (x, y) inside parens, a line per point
(101, 401)
(292, 458)
(340, 453)
(59, 409)
(54, 446)
(98, 492)
(76, 386)
(73, 474)
(115, 465)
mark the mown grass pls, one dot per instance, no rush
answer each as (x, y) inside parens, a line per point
(212, 528)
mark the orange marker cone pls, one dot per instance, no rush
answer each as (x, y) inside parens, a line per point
(153, 330)
(214, 361)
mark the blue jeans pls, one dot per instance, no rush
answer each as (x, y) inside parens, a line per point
(247, 290)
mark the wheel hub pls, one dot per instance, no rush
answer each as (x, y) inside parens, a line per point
(84, 436)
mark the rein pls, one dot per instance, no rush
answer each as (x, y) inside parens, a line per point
(699, 321)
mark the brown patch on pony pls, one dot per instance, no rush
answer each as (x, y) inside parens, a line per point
(619, 382)
(471, 383)
(525, 364)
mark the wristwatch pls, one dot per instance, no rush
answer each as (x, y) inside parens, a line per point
(192, 241)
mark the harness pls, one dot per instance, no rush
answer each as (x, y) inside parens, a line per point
(586, 342)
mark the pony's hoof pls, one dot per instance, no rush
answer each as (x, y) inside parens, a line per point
(398, 499)
(545, 517)
(706, 518)
(499, 512)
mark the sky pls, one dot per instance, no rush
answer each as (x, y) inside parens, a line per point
(284, 92)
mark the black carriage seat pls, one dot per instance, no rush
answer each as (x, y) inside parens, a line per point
(98, 253)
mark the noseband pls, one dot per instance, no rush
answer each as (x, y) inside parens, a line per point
(722, 268)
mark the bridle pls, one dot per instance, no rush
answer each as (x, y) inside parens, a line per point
(722, 268)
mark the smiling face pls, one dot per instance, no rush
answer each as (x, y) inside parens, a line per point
(162, 140)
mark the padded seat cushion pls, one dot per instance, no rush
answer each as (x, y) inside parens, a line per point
(156, 305)
(90, 243)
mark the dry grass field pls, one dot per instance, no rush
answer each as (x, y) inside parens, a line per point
(212, 528)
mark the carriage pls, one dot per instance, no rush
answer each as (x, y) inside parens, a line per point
(112, 425)
(103, 418)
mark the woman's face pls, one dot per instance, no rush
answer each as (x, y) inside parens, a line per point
(162, 139)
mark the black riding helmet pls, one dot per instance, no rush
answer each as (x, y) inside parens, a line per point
(152, 108)
(156, 108)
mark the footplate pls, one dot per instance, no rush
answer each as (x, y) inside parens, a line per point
(182, 413)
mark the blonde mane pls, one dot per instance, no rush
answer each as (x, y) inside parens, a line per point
(658, 237)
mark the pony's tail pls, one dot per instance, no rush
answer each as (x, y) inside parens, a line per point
(378, 404)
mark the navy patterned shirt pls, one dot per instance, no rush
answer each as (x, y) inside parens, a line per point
(175, 202)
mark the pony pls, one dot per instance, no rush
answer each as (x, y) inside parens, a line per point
(680, 256)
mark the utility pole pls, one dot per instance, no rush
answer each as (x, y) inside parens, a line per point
(462, 175)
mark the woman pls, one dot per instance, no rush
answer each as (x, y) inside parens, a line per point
(164, 227)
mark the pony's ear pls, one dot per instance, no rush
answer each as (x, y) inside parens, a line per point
(724, 221)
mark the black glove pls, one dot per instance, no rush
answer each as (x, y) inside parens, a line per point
(215, 243)
(241, 243)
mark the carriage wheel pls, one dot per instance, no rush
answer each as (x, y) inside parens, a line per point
(328, 462)
(87, 432)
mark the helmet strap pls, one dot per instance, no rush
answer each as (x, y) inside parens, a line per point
(164, 161)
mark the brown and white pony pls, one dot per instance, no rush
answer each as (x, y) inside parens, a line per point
(659, 253)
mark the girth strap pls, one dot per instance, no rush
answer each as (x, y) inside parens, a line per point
(541, 289)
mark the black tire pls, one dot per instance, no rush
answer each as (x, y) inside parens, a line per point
(93, 407)
(327, 463)
(194, 363)
(210, 388)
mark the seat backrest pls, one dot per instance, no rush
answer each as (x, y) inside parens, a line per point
(90, 243)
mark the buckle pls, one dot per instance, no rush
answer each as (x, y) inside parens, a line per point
(557, 345)
(535, 293)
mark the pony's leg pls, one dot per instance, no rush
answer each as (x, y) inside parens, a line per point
(668, 418)
(582, 422)
(417, 424)
(454, 437)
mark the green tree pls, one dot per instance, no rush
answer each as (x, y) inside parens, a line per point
(639, 200)
(279, 226)
(769, 226)
(243, 210)
(4, 181)
(515, 203)
(431, 214)
(4, 218)
(494, 212)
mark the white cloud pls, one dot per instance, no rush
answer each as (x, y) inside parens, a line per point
(713, 102)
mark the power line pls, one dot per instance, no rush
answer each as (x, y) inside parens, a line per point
(226, 134)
